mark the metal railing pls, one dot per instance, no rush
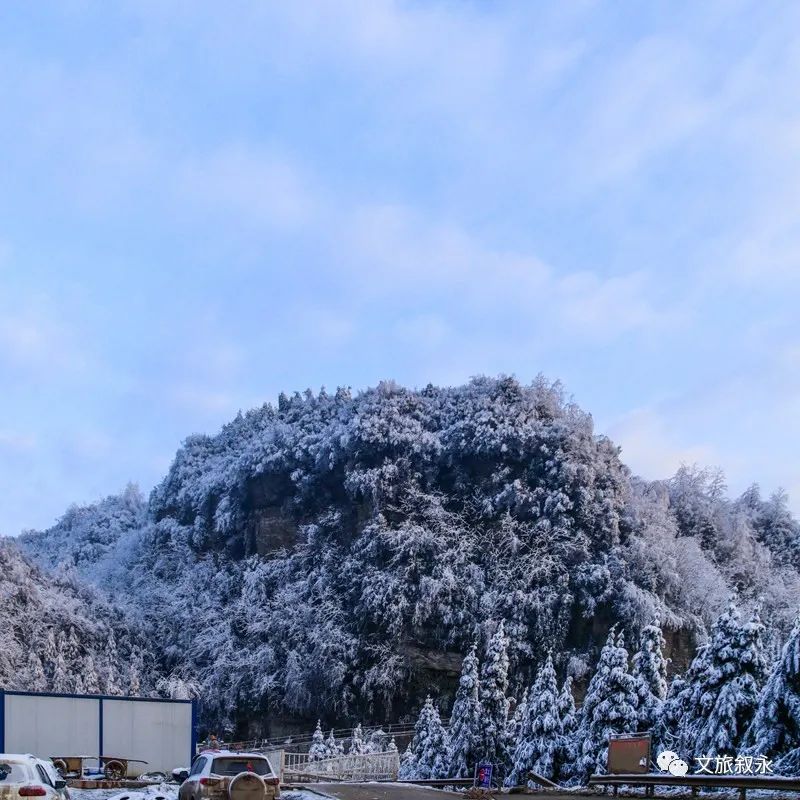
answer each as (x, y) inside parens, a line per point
(352, 767)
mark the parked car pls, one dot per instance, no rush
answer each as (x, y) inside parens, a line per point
(219, 774)
(24, 775)
(50, 768)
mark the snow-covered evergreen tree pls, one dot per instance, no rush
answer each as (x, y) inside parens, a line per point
(650, 673)
(516, 718)
(376, 742)
(112, 668)
(427, 754)
(491, 745)
(62, 681)
(357, 745)
(408, 763)
(465, 720)
(91, 680)
(726, 678)
(568, 719)
(540, 734)
(318, 747)
(667, 731)
(333, 747)
(609, 707)
(35, 679)
(775, 729)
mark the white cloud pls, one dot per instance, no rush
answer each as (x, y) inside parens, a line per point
(17, 442)
(241, 186)
(651, 448)
(35, 340)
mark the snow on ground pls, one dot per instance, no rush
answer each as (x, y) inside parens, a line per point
(167, 791)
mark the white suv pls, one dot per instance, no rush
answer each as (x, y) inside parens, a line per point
(225, 775)
(27, 776)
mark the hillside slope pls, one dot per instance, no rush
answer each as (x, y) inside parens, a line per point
(336, 556)
(57, 634)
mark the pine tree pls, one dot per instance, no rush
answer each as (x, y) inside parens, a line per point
(666, 734)
(775, 729)
(609, 707)
(35, 680)
(650, 674)
(62, 681)
(111, 658)
(49, 655)
(540, 733)
(334, 748)
(135, 676)
(491, 743)
(408, 763)
(426, 756)
(392, 746)
(727, 675)
(515, 721)
(568, 717)
(357, 746)
(465, 720)
(376, 743)
(318, 749)
(91, 681)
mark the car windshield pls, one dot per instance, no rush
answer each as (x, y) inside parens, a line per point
(233, 766)
(12, 772)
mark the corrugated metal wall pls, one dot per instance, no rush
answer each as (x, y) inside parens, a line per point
(160, 732)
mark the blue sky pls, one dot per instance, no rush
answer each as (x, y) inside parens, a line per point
(204, 204)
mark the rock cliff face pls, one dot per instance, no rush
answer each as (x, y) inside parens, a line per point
(335, 556)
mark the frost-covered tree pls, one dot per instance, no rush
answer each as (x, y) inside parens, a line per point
(112, 672)
(357, 745)
(427, 754)
(35, 678)
(333, 747)
(465, 720)
(376, 742)
(667, 731)
(540, 734)
(408, 763)
(516, 719)
(62, 680)
(650, 674)
(91, 680)
(609, 707)
(775, 729)
(568, 719)
(179, 686)
(318, 747)
(726, 678)
(491, 743)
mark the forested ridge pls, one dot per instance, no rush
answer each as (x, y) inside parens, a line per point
(337, 555)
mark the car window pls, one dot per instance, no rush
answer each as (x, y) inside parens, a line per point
(198, 765)
(233, 766)
(12, 772)
(43, 775)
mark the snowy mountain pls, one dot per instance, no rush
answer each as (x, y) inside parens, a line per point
(337, 556)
